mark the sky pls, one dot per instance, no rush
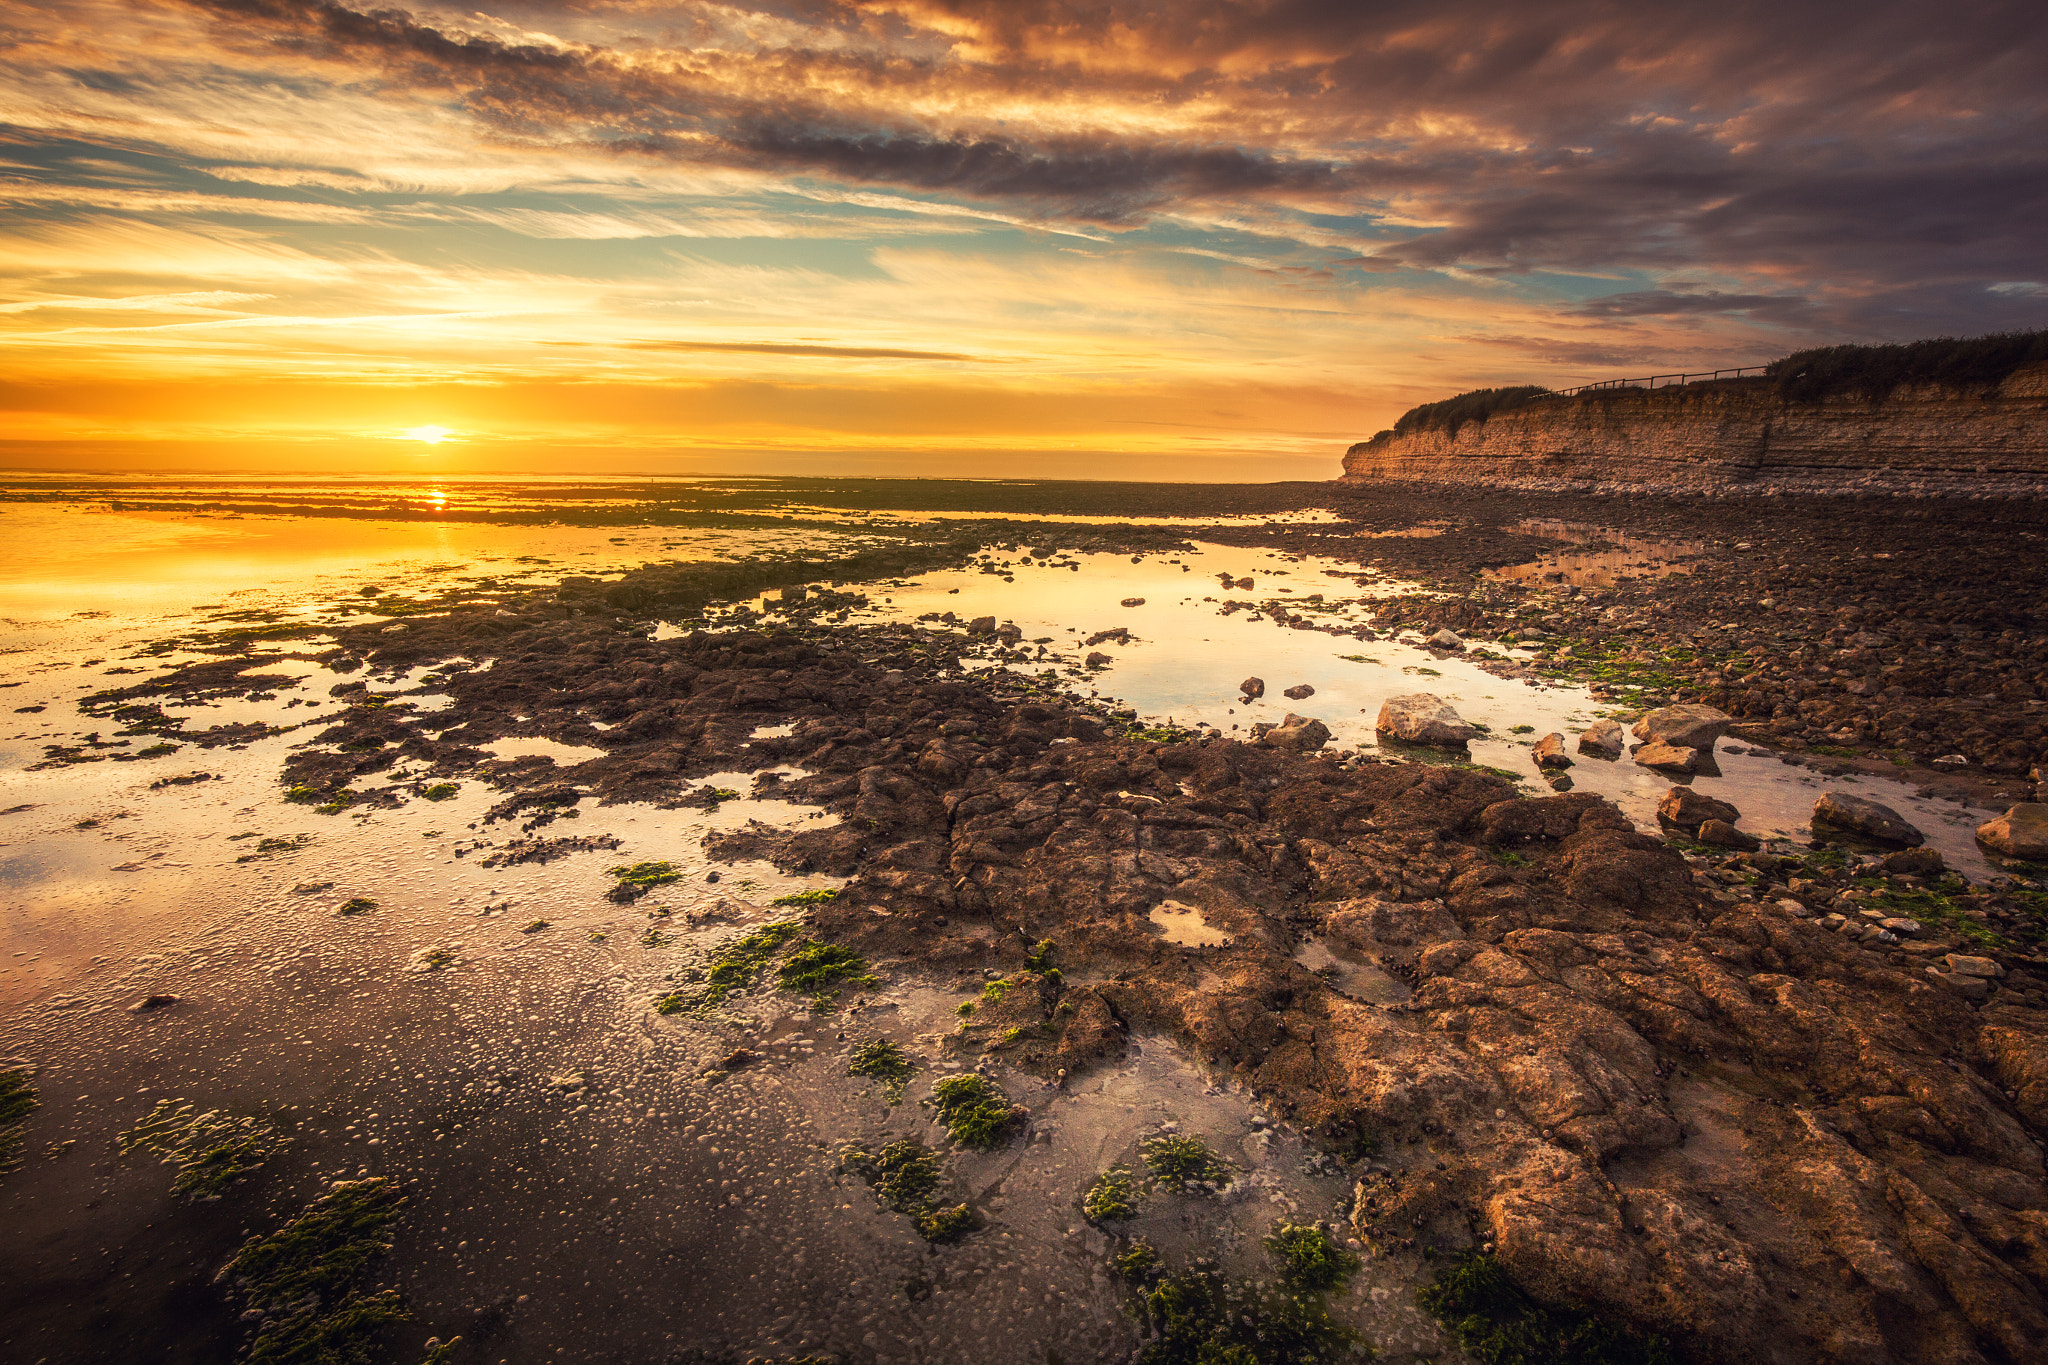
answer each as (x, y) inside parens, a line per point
(1151, 239)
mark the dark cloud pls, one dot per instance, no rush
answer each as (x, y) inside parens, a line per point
(1672, 303)
(1826, 154)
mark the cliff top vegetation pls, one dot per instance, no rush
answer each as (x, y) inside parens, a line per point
(1963, 364)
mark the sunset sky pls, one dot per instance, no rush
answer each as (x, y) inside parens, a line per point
(1181, 239)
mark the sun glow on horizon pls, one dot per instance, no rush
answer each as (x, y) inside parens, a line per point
(433, 436)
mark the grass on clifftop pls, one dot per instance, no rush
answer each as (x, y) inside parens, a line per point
(1449, 414)
(1874, 371)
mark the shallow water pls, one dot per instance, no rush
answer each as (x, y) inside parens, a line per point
(1185, 659)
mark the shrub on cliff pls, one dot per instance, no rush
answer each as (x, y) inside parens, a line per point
(1874, 371)
(1451, 413)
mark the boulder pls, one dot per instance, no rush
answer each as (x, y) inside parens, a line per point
(1300, 734)
(1690, 726)
(1559, 782)
(1721, 834)
(2021, 832)
(1683, 808)
(1132, 602)
(1447, 639)
(1549, 752)
(1423, 718)
(1253, 688)
(1299, 692)
(1603, 739)
(1963, 965)
(1856, 817)
(1096, 659)
(982, 625)
(1669, 758)
(1915, 862)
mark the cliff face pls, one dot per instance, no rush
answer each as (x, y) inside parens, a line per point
(1739, 436)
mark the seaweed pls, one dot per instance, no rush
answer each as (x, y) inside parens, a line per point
(300, 1281)
(881, 1060)
(441, 791)
(975, 1112)
(1310, 1259)
(815, 896)
(212, 1150)
(734, 967)
(1138, 1261)
(907, 1177)
(1184, 1161)
(18, 1100)
(356, 905)
(1496, 1322)
(818, 969)
(1111, 1197)
(1199, 1317)
(638, 879)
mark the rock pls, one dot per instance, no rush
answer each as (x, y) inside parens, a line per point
(1915, 862)
(1447, 639)
(1683, 808)
(1603, 739)
(1963, 965)
(1132, 602)
(2021, 832)
(1549, 752)
(1721, 834)
(1300, 734)
(1423, 718)
(982, 625)
(1904, 928)
(1096, 659)
(152, 1002)
(1690, 726)
(1559, 782)
(1299, 692)
(1838, 813)
(1253, 687)
(1670, 758)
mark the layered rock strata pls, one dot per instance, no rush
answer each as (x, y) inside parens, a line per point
(1737, 436)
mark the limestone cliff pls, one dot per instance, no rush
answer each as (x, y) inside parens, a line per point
(1738, 436)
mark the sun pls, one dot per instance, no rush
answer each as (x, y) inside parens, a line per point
(433, 436)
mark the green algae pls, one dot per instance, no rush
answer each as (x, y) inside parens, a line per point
(18, 1099)
(1200, 1317)
(906, 1176)
(211, 1149)
(1111, 1197)
(1496, 1322)
(975, 1112)
(441, 791)
(881, 1060)
(640, 878)
(1183, 1161)
(1310, 1259)
(818, 969)
(816, 896)
(735, 967)
(356, 905)
(301, 1282)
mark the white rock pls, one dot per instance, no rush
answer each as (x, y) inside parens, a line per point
(1423, 718)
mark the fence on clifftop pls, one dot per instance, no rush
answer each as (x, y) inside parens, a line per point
(1662, 380)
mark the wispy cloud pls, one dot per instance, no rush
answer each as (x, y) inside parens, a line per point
(1386, 201)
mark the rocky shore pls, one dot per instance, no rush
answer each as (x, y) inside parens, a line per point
(1702, 1098)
